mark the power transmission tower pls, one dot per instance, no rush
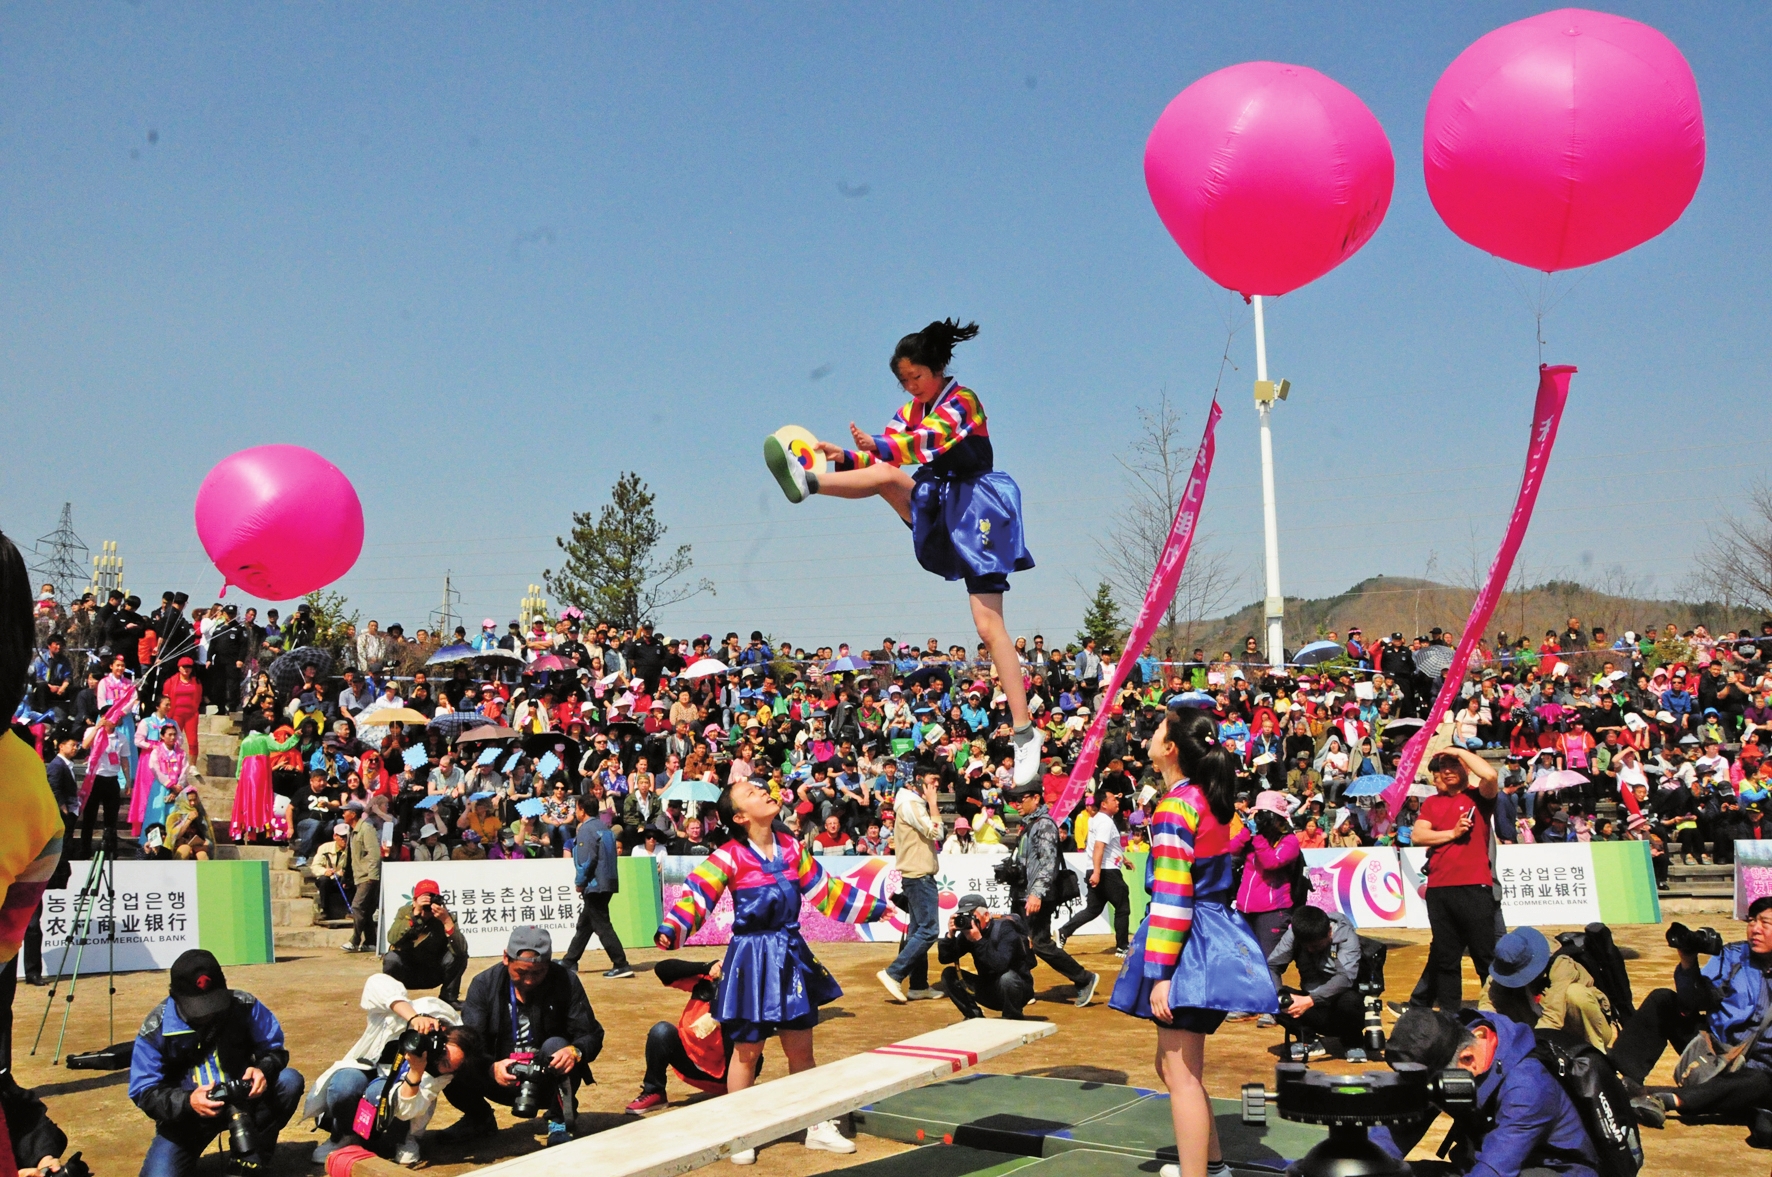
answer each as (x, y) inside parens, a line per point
(443, 617)
(62, 558)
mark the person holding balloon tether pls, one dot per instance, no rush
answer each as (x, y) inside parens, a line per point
(964, 514)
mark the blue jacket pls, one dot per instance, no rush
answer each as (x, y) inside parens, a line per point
(1733, 987)
(594, 859)
(171, 1060)
(1533, 1124)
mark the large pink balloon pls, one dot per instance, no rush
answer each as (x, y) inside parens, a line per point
(1268, 176)
(1563, 139)
(279, 521)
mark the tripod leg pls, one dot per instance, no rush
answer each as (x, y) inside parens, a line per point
(75, 934)
(94, 879)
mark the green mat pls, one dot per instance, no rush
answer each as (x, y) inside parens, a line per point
(1145, 1130)
(1022, 1108)
(1085, 1163)
(945, 1160)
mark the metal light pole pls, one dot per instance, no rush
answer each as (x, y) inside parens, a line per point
(1266, 392)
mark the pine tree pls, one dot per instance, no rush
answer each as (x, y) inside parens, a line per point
(1101, 619)
(613, 570)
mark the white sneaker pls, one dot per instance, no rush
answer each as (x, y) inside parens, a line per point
(893, 989)
(747, 1157)
(325, 1149)
(789, 474)
(407, 1154)
(923, 994)
(1169, 1171)
(1027, 755)
(825, 1136)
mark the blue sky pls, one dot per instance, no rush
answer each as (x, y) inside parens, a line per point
(484, 258)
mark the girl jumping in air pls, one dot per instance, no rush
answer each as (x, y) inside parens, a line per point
(964, 515)
(1194, 959)
(770, 983)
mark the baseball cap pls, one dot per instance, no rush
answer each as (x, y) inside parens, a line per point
(426, 887)
(531, 942)
(198, 988)
(971, 902)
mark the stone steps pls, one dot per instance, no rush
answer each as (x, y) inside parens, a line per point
(319, 936)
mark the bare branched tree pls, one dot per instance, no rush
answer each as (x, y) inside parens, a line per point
(1156, 471)
(1737, 562)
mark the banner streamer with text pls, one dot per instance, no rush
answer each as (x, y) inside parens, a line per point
(1164, 581)
(1547, 415)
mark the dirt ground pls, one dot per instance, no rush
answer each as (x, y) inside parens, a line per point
(315, 995)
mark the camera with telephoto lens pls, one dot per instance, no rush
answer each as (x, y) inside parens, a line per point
(535, 1086)
(1349, 1104)
(1703, 942)
(76, 1166)
(1011, 872)
(243, 1139)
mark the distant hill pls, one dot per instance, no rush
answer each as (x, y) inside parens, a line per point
(1382, 605)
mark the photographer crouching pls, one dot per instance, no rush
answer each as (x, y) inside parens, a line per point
(382, 1093)
(1002, 951)
(209, 1060)
(425, 948)
(1328, 1002)
(1717, 1015)
(537, 1023)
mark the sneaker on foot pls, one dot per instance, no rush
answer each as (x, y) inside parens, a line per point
(1650, 1111)
(789, 475)
(558, 1133)
(407, 1154)
(1169, 1171)
(746, 1157)
(923, 994)
(620, 971)
(325, 1149)
(1122, 953)
(1264, 1021)
(1027, 754)
(646, 1101)
(825, 1136)
(1061, 938)
(1354, 1055)
(893, 989)
(1086, 991)
(1315, 1050)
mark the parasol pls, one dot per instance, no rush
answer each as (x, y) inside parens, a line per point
(286, 672)
(1317, 653)
(1556, 781)
(704, 668)
(488, 731)
(1434, 660)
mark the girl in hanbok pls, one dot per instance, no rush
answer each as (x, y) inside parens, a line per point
(167, 766)
(148, 740)
(964, 514)
(771, 985)
(255, 818)
(1194, 960)
(113, 688)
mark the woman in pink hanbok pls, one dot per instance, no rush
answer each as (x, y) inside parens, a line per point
(255, 818)
(147, 741)
(167, 766)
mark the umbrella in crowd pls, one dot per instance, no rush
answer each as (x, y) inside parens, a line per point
(690, 790)
(703, 667)
(541, 743)
(547, 662)
(1557, 781)
(459, 652)
(1317, 653)
(452, 722)
(286, 672)
(1433, 661)
(498, 655)
(849, 664)
(1369, 786)
(1198, 699)
(383, 716)
(490, 731)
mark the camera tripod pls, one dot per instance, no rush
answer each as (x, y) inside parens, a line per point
(98, 892)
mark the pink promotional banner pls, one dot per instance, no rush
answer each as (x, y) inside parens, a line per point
(1547, 414)
(1156, 599)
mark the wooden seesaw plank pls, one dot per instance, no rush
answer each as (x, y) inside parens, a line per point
(689, 1137)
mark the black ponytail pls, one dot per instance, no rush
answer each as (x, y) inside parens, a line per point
(933, 346)
(18, 632)
(1206, 761)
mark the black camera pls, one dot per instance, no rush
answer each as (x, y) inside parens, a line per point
(76, 1166)
(535, 1088)
(429, 1044)
(1349, 1104)
(1011, 872)
(243, 1139)
(1371, 989)
(1703, 942)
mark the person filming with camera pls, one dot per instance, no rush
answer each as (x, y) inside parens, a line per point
(1718, 1015)
(425, 948)
(1001, 950)
(209, 1060)
(382, 1093)
(1327, 1003)
(540, 1036)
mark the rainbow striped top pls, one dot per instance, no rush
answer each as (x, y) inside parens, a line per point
(953, 423)
(1190, 858)
(754, 891)
(30, 840)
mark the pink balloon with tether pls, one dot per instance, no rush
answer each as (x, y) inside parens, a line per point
(279, 521)
(1554, 142)
(1268, 176)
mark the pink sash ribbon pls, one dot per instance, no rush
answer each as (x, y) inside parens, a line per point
(1164, 581)
(1547, 414)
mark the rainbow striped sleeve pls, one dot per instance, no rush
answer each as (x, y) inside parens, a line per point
(835, 898)
(915, 437)
(857, 459)
(1171, 909)
(30, 840)
(700, 893)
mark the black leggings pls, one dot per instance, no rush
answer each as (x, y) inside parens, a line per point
(104, 793)
(1111, 891)
(664, 1048)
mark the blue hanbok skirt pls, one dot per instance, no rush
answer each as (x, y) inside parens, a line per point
(1221, 971)
(771, 980)
(967, 526)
